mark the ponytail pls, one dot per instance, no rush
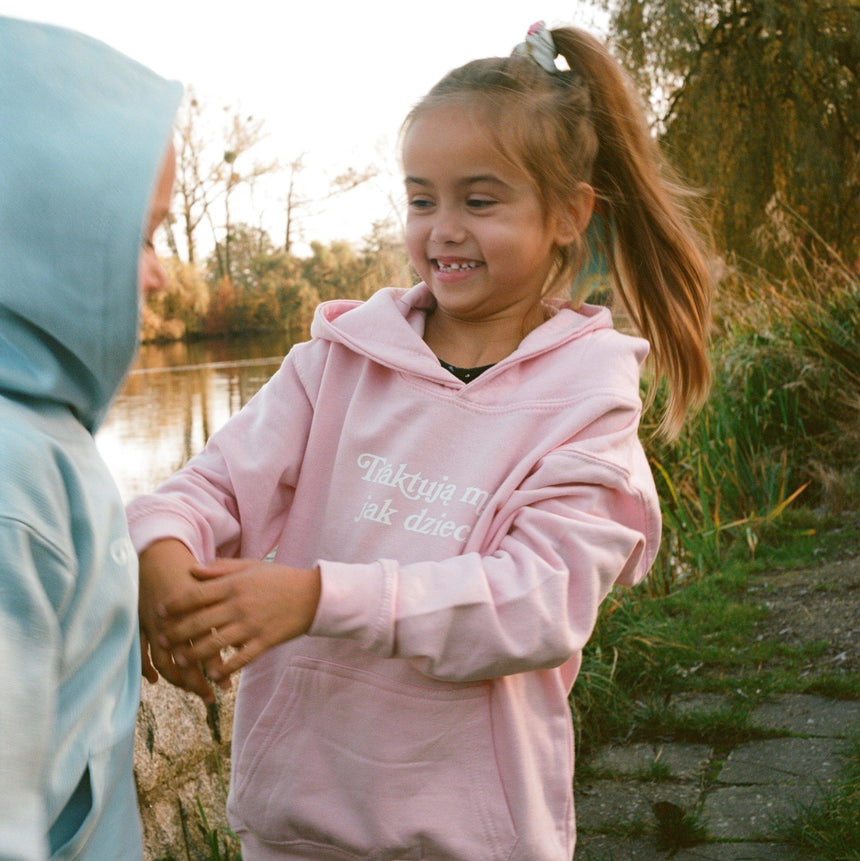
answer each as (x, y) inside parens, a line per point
(654, 253)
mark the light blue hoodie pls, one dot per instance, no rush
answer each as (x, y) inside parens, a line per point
(83, 132)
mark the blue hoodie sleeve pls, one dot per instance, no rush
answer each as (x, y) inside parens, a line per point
(30, 645)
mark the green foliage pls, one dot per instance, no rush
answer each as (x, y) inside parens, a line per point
(756, 100)
(783, 419)
(339, 271)
(627, 654)
(265, 293)
(205, 842)
(221, 843)
(829, 829)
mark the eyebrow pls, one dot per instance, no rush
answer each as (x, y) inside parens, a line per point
(466, 181)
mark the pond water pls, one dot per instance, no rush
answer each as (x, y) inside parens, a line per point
(175, 397)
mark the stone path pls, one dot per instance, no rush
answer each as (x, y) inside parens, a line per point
(739, 796)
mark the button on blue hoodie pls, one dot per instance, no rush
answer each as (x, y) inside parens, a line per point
(83, 132)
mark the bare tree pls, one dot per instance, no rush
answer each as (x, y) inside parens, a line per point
(241, 136)
(298, 206)
(197, 183)
(293, 202)
(213, 166)
(209, 171)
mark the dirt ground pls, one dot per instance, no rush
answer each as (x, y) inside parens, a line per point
(816, 603)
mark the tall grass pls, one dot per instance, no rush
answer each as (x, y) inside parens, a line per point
(783, 419)
(781, 428)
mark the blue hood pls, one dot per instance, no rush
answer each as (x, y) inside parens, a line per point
(83, 132)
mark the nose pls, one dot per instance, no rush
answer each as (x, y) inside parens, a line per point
(448, 226)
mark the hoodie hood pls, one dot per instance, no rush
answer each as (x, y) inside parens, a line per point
(83, 134)
(378, 328)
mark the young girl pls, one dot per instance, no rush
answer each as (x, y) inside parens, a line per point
(451, 479)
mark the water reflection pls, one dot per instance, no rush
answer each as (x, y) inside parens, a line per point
(175, 397)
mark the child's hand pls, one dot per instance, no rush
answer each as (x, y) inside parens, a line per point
(165, 570)
(240, 603)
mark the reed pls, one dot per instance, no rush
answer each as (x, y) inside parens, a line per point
(783, 419)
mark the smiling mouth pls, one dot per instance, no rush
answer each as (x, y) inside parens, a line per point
(456, 267)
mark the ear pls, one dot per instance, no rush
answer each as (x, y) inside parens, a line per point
(575, 216)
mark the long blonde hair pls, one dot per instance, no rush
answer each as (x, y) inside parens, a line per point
(585, 124)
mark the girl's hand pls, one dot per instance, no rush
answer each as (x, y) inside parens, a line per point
(165, 570)
(240, 604)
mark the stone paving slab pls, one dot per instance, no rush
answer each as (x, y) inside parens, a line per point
(740, 852)
(602, 848)
(809, 716)
(751, 812)
(627, 802)
(741, 797)
(815, 761)
(697, 702)
(682, 761)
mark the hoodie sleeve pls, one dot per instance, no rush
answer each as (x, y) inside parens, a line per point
(250, 465)
(29, 658)
(528, 599)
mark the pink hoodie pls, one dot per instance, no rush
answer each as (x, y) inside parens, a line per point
(466, 535)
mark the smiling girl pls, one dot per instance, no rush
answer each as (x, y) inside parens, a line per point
(451, 480)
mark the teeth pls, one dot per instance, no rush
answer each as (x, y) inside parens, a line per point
(455, 267)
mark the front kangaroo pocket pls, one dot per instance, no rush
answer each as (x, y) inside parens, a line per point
(346, 758)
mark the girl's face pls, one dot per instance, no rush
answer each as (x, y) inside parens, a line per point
(476, 230)
(151, 276)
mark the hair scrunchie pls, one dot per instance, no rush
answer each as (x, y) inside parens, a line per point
(539, 45)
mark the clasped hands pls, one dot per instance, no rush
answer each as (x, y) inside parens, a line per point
(205, 622)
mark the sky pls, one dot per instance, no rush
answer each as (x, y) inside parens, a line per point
(331, 80)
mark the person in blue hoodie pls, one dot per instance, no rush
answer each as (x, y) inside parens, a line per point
(86, 171)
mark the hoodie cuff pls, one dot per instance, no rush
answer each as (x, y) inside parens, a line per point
(146, 526)
(357, 603)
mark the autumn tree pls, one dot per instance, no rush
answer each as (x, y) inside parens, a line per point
(178, 310)
(333, 269)
(266, 293)
(757, 103)
(386, 261)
